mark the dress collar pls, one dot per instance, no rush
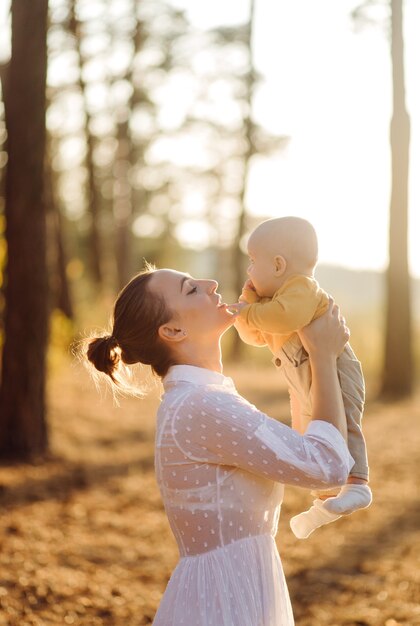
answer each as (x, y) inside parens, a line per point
(196, 376)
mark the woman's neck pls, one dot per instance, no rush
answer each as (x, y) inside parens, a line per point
(208, 357)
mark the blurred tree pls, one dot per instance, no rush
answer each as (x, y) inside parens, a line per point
(125, 157)
(23, 428)
(202, 151)
(3, 160)
(172, 132)
(57, 258)
(122, 52)
(250, 130)
(95, 247)
(398, 364)
(398, 373)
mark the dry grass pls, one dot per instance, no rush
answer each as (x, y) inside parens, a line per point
(85, 539)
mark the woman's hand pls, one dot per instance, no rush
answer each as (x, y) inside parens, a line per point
(324, 339)
(327, 335)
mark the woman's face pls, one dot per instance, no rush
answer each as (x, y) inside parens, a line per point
(198, 309)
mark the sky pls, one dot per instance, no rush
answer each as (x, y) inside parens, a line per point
(328, 86)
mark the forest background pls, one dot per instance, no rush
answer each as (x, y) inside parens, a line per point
(127, 132)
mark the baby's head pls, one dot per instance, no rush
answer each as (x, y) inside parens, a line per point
(278, 248)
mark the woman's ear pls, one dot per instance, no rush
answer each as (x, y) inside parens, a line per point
(169, 332)
(280, 265)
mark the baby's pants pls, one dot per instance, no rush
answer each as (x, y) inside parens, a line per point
(292, 359)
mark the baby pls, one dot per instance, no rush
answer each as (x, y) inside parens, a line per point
(280, 297)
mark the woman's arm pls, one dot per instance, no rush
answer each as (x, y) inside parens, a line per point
(296, 413)
(216, 425)
(324, 340)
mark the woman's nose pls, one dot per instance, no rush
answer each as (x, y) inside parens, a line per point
(213, 285)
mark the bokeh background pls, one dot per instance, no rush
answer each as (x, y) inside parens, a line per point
(135, 130)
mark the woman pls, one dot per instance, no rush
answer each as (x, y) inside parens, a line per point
(221, 464)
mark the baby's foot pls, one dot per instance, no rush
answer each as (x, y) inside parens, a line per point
(305, 523)
(351, 498)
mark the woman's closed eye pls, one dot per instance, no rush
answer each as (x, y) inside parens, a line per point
(192, 290)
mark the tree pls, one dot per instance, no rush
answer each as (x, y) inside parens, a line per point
(59, 287)
(172, 129)
(92, 192)
(249, 131)
(397, 373)
(398, 363)
(23, 428)
(123, 192)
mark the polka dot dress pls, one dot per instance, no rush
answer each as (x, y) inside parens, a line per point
(221, 466)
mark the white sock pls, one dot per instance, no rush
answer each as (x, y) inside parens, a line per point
(305, 523)
(351, 498)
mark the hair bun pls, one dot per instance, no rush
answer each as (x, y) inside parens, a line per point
(113, 341)
(102, 352)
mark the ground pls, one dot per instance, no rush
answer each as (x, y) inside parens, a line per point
(85, 539)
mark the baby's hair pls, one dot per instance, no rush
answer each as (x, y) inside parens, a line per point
(133, 337)
(294, 231)
(303, 230)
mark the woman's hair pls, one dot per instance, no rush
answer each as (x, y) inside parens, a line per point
(138, 313)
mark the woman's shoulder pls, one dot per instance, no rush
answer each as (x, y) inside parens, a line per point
(199, 398)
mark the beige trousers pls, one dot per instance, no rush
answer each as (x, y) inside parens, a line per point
(293, 361)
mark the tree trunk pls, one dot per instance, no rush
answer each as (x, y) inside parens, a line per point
(63, 295)
(238, 256)
(57, 259)
(398, 364)
(92, 193)
(124, 197)
(123, 205)
(23, 428)
(3, 147)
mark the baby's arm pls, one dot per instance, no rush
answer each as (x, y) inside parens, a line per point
(288, 311)
(251, 336)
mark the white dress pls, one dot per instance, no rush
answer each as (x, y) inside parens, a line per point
(221, 466)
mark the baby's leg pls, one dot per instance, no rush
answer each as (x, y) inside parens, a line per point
(355, 494)
(332, 503)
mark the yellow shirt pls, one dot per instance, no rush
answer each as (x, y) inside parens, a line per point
(272, 321)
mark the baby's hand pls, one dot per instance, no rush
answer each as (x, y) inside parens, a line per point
(248, 284)
(236, 308)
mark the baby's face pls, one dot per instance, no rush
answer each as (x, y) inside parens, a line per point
(261, 269)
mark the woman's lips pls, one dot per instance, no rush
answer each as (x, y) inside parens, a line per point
(222, 305)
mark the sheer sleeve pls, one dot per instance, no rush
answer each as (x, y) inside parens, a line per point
(222, 427)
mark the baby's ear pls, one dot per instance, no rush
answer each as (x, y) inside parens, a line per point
(280, 265)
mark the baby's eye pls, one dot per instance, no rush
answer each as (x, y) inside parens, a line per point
(193, 290)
